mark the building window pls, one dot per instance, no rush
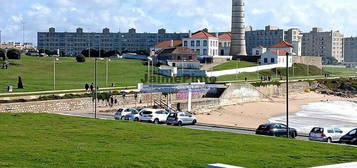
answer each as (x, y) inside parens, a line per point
(265, 60)
(198, 43)
(185, 43)
(192, 43)
(205, 43)
(272, 60)
(198, 51)
(204, 51)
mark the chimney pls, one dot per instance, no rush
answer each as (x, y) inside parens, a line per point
(217, 34)
(172, 43)
(189, 34)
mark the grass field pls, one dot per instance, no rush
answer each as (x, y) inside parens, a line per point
(37, 73)
(298, 71)
(233, 65)
(45, 140)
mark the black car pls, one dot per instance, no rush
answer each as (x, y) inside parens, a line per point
(275, 129)
(350, 138)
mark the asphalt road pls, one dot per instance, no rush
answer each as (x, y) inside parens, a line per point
(206, 127)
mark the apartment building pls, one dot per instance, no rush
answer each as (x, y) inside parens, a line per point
(350, 49)
(73, 43)
(272, 35)
(324, 44)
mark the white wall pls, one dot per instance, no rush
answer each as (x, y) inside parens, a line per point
(211, 48)
(241, 70)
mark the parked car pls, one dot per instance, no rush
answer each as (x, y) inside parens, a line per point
(275, 129)
(350, 137)
(120, 114)
(181, 118)
(133, 116)
(156, 116)
(325, 134)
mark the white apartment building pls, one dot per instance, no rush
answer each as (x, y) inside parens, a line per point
(203, 43)
(225, 44)
(324, 44)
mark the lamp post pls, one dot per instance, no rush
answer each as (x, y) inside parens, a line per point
(95, 86)
(107, 72)
(287, 94)
(54, 69)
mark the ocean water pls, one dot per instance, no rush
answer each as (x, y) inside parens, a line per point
(340, 114)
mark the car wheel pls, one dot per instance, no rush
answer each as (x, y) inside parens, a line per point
(180, 123)
(329, 140)
(156, 121)
(122, 118)
(136, 119)
(194, 122)
(294, 135)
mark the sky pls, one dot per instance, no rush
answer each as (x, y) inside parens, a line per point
(174, 15)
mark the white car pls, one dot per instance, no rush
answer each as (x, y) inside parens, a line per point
(325, 134)
(133, 116)
(122, 112)
(156, 116)
(181, 118)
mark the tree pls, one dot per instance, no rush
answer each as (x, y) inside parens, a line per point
(81, 58)
(330, 60)
(13, 54)
(2, 54)
(93, 53)
(111, 53)
(20, 84)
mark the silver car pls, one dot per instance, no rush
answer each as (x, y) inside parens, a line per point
(323, 134)
(181, 118)
(120, 114)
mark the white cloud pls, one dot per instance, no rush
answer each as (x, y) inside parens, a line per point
(175, 15)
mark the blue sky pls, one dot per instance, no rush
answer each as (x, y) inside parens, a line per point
(174, 15)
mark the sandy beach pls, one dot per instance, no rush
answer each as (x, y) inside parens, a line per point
(250, 115)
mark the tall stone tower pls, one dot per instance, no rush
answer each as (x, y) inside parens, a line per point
(238, 46)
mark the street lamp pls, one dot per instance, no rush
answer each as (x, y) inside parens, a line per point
(107, 72)
(95, 86)
(287, 94)
(55, 58)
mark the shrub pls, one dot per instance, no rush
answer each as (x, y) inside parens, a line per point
(13, 54)
(80, 58)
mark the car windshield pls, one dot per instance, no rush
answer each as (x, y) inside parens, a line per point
(353, 132)
(147, 112)
(120, 110)
(264, 127)
(317, 130)
(172, 114)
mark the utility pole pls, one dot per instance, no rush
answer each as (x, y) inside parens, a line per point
(287, 94)
(95, 88)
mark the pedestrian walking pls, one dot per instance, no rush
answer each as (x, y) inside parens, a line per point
(91, 87)
(86, 86)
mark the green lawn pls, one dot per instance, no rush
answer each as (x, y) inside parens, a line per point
(45, 140)
(37, 73)
(341, 71)
(233, 65)
(298, 71)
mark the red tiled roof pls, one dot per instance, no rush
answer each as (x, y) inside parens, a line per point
(279, 52)
(201, 34)
(166, 44)
(225, 36)
(283, 44)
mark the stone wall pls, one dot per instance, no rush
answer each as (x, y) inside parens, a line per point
(244, 93)
(51, 106)
(273, 90)
(308, 60)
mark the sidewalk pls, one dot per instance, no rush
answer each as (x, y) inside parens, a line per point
(129, 88)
